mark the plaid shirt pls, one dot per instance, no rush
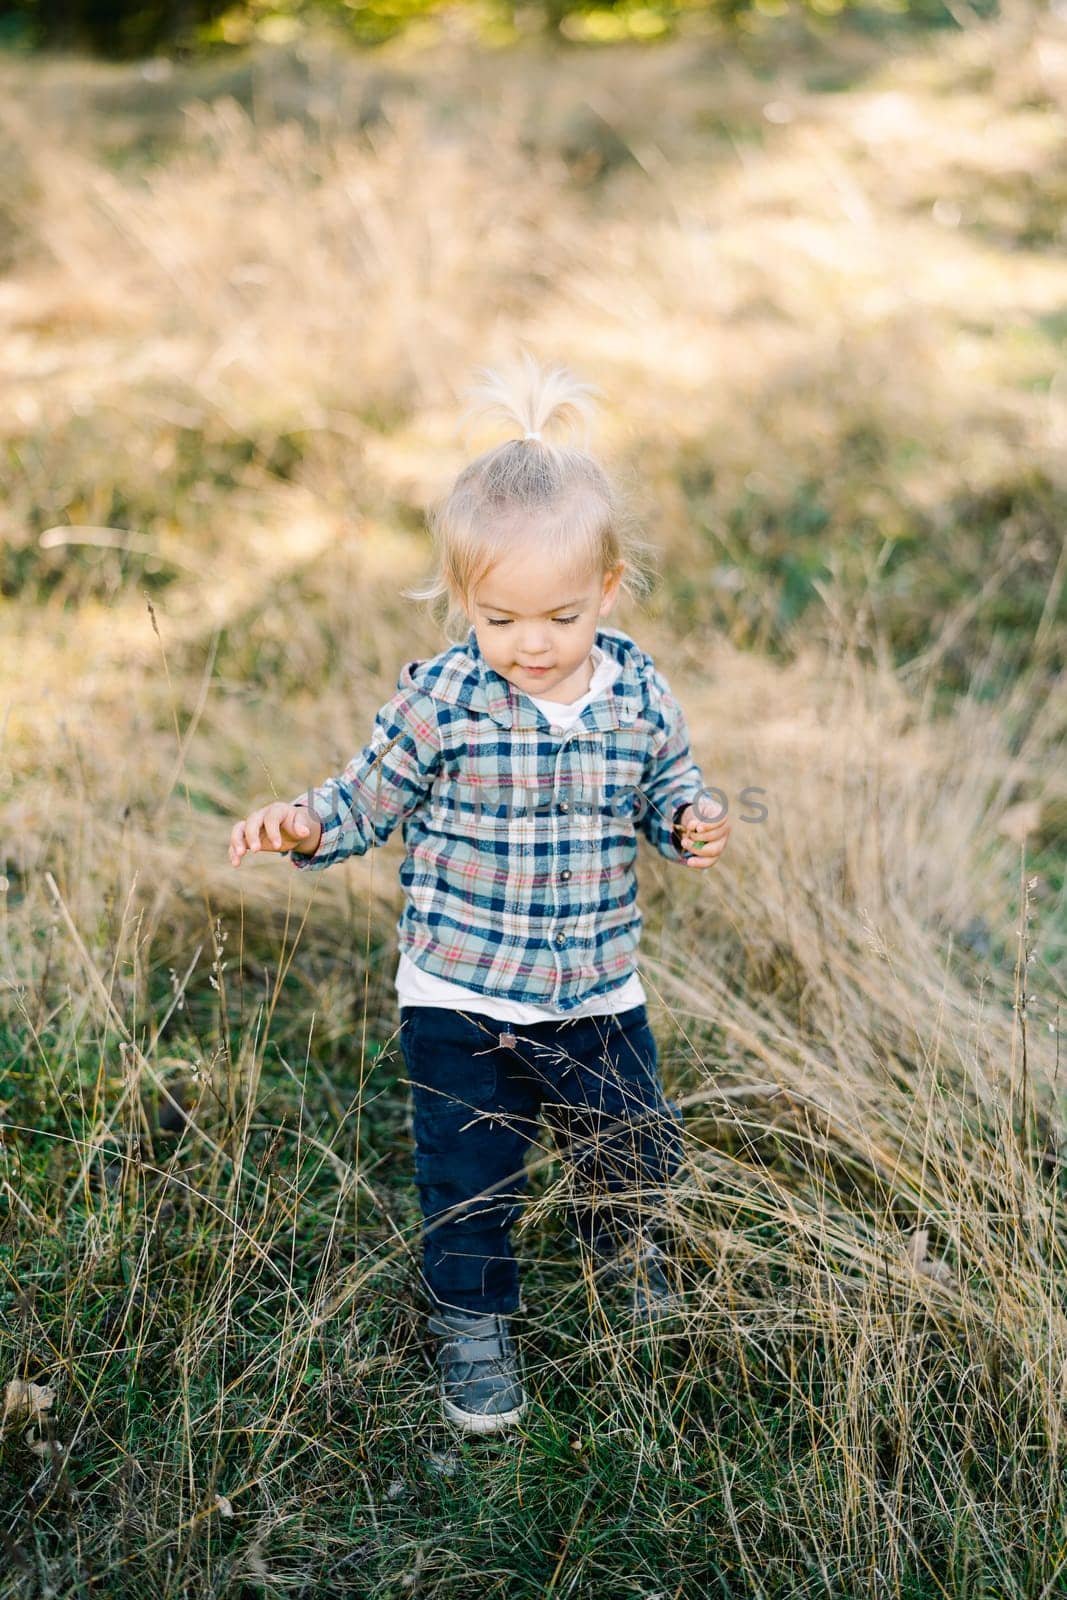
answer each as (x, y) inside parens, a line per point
(521, 840)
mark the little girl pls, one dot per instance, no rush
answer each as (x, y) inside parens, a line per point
(522, 761)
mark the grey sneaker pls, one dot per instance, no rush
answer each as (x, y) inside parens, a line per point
(481, 1391)
(640, 1268)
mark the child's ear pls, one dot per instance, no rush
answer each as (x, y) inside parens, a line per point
(612, 580)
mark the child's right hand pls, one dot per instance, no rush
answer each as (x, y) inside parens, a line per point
(278, 826)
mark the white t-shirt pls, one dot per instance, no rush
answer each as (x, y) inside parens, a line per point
(417, 988)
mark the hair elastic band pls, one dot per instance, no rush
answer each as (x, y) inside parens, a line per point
(531, 436)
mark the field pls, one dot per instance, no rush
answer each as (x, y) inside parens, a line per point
(818, 273)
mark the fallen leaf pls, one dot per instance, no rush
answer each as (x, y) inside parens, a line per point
(25, 1402)
(44, 1447)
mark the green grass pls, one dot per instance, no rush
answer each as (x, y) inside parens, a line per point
(176, 1300)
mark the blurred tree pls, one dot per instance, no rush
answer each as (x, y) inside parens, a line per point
(139, 27)
(108, 27)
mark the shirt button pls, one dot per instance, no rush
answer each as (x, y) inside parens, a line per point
(565, 873)
(555, 732)
(564, 805)
(561, 938)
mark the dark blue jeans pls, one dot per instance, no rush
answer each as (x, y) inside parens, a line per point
(477, 1104)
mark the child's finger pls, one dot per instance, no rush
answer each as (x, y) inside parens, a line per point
(703, 860)
(707, 849)
(297, 825)
(702, 841)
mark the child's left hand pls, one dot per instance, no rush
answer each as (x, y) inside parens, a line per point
(706, 840)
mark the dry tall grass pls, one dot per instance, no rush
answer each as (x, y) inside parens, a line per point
(239, 303)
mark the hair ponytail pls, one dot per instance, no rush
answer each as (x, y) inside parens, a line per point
(531, 398)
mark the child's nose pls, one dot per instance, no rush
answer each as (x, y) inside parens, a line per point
(535, 644)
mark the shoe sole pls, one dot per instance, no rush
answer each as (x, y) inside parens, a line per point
(481, 1421)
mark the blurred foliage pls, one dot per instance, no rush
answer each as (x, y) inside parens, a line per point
(131, 28)
(110, 27)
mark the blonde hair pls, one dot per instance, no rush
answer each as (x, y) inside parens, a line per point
(530, 491)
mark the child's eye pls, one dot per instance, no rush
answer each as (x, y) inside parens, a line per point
(502, 622)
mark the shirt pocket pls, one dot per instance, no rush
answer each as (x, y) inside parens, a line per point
(457, 806)
(623, 796)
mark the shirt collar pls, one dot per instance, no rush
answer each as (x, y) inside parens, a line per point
(480, 687)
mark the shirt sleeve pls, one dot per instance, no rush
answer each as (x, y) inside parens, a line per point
(381, 785)
(672, 779)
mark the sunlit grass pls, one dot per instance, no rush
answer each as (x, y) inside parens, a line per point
(240, 303)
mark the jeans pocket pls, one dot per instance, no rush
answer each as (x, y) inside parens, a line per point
(452, 1065)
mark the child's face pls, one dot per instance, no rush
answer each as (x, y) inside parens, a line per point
(520, 613)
